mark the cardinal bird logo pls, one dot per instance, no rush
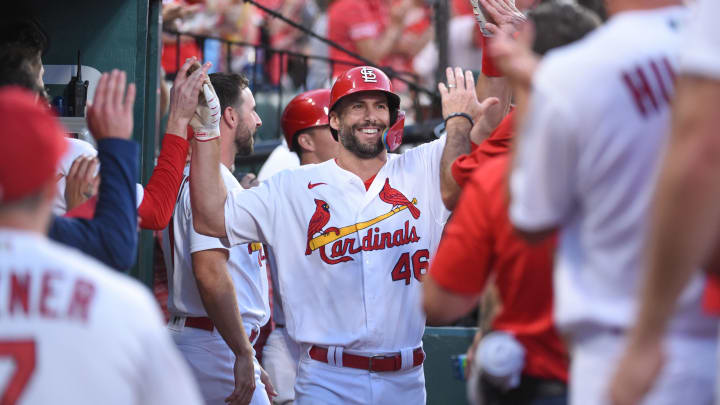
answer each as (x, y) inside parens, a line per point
(319, 219)
(396, 198)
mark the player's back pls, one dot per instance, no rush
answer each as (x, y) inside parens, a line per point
(612, 93)
(74, 332)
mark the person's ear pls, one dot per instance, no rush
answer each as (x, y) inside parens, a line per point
(334, 120)
(230, 117)
(306, 142)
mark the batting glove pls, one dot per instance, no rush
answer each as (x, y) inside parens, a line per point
(206, 121)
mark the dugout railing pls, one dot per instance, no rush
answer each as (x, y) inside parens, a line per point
(269, 68)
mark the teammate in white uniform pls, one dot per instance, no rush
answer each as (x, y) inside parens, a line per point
(218, 297)
(76, 149)
(356, 234)
(72, 331)
(307, 130)
(586, 163)
(686, 214)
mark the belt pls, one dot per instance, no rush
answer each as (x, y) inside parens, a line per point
(205, 323)
(392, 362)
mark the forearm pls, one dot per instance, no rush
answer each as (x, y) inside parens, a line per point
(219, 298)
(161, 191)
(207, 190)
(686, 212)
(176, 126)
(443, 307)
(500, 88)
(456, 144)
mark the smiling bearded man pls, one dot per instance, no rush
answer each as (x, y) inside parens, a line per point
(362, 120)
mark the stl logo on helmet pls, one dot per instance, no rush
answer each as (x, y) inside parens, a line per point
(342, 245)
(368, 75)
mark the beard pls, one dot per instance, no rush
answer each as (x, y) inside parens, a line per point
(351, 142)
(244, 140)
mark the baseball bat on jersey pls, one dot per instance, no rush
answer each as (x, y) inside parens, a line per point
(322, 240)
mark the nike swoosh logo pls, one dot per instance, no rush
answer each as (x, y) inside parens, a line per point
(311, 185)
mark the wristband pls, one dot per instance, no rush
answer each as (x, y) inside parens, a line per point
(460, 114)
(203, 135)
(488, 65)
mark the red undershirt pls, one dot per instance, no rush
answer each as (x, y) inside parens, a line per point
(369, 181)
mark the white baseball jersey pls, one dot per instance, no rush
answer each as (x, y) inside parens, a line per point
(350, 261)
(72, 331)
(701, 47)
(588, 159)
(76, 148)
(281, 158)
(246, 263)
(277, 308)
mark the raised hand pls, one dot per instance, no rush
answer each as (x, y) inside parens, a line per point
(184, 96)
(206, 121)
(111, 115)
(504, 15)
(459, 96)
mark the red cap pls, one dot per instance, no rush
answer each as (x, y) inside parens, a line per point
(363, 78)
(32, 144)
(306, 110)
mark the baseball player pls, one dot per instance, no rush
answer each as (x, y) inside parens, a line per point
(355, 234)
(306, 128)
(218, 297)
(481, 233)
(685, 218)
(72, 331)
(586, 162)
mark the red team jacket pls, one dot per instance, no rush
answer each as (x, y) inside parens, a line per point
(481, 230)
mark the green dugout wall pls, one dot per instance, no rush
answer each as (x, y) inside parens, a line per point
(114, 34)
(120, 34)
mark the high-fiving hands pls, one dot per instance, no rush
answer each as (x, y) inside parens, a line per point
(206, 121)
(459, 96)
(494, 15)
(184, 96)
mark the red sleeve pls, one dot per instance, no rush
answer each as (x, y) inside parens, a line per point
(488, 64)
(85, 210)
(161, 191)
(467, 239)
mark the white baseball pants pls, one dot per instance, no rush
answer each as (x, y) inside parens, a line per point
(688, 376)
(281, 355)
(212, 362)
(320, 383)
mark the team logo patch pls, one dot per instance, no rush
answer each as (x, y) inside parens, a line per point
(368, 75)
(374, 240)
